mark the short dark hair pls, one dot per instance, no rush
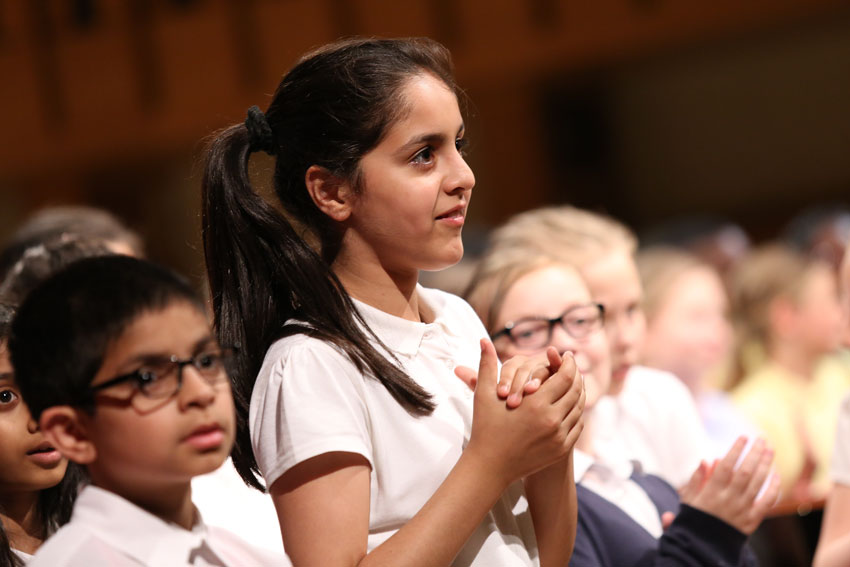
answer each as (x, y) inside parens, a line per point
(64, 326)
(54, 222)
(41, 261)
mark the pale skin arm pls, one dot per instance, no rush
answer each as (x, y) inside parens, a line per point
(834, 544)
(323, 503)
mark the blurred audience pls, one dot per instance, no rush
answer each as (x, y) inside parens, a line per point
(834, 544)
(820, 232)
(788, 319)
(650, 416)
(625, 517)
(689, 334)
(717, 241)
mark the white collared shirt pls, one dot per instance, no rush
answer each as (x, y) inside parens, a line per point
(613, 482)
(107, 530)
(225, 501)
(653, 421)
(309, 399)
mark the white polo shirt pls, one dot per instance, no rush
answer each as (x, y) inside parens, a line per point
(107, 530)
(653, 421)
(225, 501)
(309, 399)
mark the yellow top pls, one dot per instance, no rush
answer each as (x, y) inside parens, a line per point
(794, 412)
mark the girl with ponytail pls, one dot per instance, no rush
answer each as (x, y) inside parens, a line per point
(348, 405)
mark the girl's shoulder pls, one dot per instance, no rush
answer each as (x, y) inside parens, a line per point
(303, 351)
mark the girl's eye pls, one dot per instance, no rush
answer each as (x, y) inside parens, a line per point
(424, 156)
(461, 145)
(7, 397)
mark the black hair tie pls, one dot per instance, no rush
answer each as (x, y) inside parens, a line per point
(260, 136)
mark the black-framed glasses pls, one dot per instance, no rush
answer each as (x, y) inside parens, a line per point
(157, 380)
(578, 321)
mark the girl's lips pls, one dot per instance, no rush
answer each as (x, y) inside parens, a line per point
(45, 455)
(206, 437)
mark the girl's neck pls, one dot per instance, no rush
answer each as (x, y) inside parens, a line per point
(795, 359)
(21, 522)
(375, 285)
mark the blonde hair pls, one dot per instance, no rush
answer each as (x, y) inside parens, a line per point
(768, 273)
(568, 234)
(659, 268)
(496, 273)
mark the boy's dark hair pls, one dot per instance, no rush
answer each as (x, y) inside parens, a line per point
(51, 223)
(64, 326)
(334, 106)
(54, 503)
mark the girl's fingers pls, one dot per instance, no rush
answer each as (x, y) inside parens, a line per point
(488, 373)
(770, 495)
(467, 375)
(723, 471)
(745, 472)
(529, 370)
(760, 476)
(688, 492)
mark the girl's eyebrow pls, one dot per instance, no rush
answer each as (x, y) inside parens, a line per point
(7, 377)
(435, 138)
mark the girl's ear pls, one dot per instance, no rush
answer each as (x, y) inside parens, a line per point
(332, 195)
(64, 428)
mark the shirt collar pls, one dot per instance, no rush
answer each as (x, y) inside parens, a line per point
(582, 462)
(400, 335)
(135, 531)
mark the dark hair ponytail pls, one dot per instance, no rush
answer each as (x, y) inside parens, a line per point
(335, 105)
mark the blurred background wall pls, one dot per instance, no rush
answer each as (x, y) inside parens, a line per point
(645, 109)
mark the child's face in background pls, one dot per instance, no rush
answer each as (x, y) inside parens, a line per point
(844, 286)
(183, 436)
(819, 323)
(690, 333)
(614, 282)
(548, 293)
(27, 462)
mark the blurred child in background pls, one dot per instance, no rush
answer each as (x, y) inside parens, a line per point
(650, 415)
(787, 318)
(532, 304)
(689, 334)
(37, 486)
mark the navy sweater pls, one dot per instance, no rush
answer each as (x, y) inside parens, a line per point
(608, 537)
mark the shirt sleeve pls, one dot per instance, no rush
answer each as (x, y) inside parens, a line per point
(841, 453)
(308, 400)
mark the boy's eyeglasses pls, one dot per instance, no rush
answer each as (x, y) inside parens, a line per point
(162, 379)
(536, 332)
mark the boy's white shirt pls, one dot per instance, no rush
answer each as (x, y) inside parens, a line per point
(654, 421)
(225, 501)
(106, 530)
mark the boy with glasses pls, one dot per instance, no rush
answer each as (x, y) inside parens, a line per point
(115, 358)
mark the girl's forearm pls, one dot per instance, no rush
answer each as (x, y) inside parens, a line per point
(552, 501)
(436, 534)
